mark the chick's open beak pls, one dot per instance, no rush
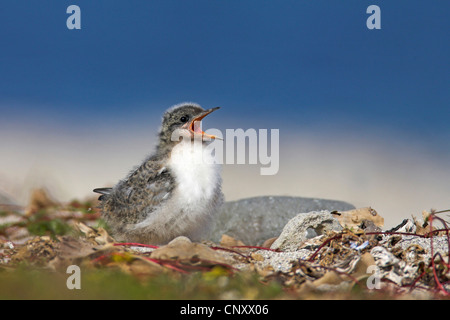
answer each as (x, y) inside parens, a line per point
(195, 125)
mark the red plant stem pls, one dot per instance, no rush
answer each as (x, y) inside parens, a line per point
(394, 232)
(99, 259)
(189, 267)
(426, 235)
(447, 234)
(323, 245)
(436, 279)
(413, 285)
(440, 256)
(135, 244)
(165, 264)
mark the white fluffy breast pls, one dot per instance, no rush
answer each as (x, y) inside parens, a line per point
(189, 208)
(196, 174)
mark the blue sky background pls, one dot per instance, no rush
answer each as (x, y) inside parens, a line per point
(287, 63)
(83, 103)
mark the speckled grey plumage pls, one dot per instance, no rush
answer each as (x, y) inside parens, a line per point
(147, 206)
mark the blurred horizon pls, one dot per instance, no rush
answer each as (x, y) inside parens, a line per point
(396, 180)
(363, 114)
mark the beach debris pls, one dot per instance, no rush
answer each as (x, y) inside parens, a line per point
(314, 255)
(362, 217)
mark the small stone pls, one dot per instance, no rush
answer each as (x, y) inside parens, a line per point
(181, 240)
(257, 257)
(269, 242)
(228, 241)
(181, 248)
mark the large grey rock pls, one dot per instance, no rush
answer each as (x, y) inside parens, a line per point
(254, 220)
(303, 227)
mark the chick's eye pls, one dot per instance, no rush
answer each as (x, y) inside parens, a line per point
(184, 119)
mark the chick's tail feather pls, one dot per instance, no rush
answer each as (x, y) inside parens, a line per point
(103, 192)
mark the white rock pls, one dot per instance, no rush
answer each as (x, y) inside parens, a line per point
(305, 226)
